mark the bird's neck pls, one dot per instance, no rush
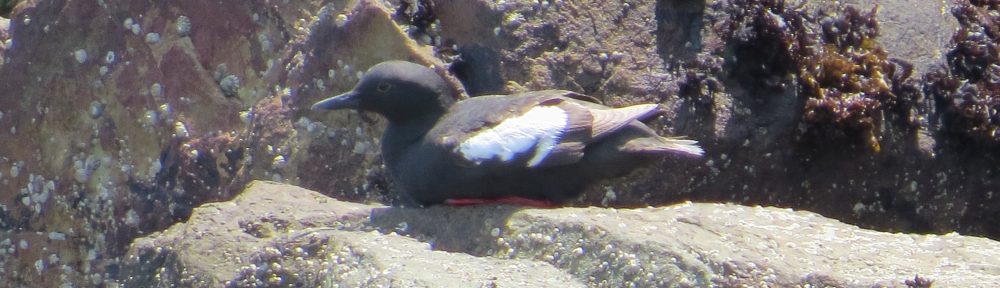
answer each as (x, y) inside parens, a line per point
(407, 126)
(401, 134)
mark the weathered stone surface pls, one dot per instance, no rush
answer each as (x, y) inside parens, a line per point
(281, 234)
(917, 33)
(110, 118)
(118, 118)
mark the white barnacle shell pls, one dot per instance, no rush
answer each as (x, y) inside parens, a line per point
(183, 25)
(80, 55)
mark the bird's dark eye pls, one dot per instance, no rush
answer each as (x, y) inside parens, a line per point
(383, 87)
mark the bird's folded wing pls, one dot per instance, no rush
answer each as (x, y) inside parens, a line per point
(529, 139)
(607, 121)
(588, 124)
(538, 129)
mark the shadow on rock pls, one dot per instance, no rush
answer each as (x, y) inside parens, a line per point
(471, 230)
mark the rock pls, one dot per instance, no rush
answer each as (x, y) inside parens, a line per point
(918, 33)
(277, 234)
(282, 234)
(109, 137)
(166, 135)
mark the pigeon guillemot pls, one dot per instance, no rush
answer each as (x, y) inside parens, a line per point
(532, 148)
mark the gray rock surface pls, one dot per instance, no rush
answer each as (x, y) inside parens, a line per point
(281, 235)
(918, 33)
(276, 234)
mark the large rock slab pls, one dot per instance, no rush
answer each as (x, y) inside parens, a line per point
(275, 234)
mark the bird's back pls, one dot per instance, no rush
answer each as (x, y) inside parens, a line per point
(493, 146)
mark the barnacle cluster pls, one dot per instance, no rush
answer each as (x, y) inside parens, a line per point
(845, 80)
(967, 92)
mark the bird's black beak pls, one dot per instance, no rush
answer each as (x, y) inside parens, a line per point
(349, 100)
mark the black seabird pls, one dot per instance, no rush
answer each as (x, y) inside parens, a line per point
(532, 148)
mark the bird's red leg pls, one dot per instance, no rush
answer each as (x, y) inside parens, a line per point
(466, 201)
(509, 200)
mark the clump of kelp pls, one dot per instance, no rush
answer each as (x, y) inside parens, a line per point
(847, 85)
(967, 91)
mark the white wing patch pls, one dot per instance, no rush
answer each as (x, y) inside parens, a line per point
(540, 128)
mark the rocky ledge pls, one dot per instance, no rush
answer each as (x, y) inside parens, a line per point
(282, 235)
(118, 118)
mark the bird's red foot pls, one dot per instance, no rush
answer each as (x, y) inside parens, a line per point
(509, 200)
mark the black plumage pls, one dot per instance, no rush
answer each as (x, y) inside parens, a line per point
(541, 145)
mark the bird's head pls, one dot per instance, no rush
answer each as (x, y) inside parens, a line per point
(398, 90)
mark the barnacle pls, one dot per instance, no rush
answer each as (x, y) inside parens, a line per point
(80, 56)
(183, 25)
(230, 85)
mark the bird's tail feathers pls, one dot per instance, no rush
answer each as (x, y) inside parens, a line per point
(684, 146)
(673, 145)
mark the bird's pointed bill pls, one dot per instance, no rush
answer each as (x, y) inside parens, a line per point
(349, 100)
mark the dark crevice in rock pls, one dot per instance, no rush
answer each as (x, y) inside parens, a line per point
(169, 166)
(679, 25)
(153, 265)
(9, 222)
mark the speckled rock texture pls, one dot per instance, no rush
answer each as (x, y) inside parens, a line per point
(117, 118)
(282, 235)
